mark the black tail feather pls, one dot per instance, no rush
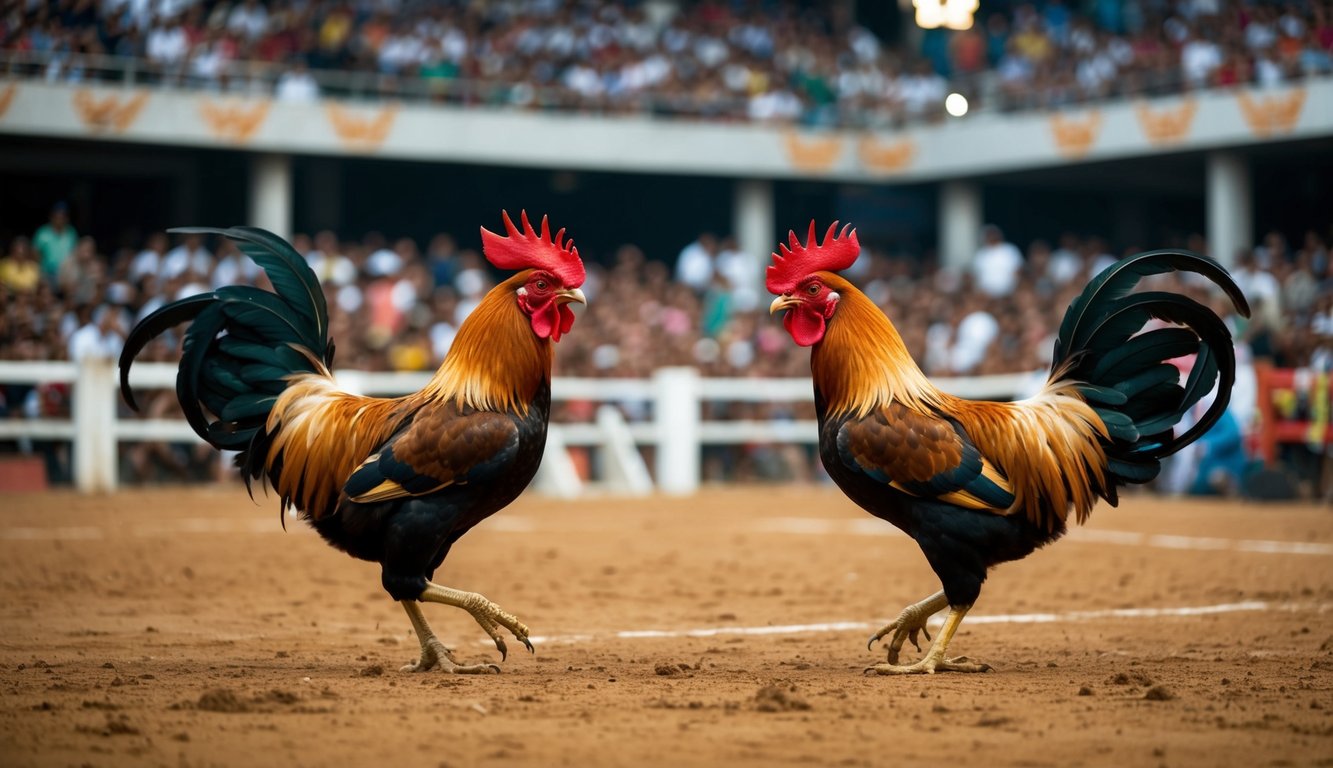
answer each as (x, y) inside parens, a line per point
(1123, 372)
(242, 345)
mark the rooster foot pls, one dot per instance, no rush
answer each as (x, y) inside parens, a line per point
(934, 660)
(434, 655)
(929, 666)
(492, 617)
(489, 616)
(909, 623)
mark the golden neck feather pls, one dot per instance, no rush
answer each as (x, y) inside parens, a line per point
(496, 362)
(862, 363)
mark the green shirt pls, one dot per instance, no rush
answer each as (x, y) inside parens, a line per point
(54, 246)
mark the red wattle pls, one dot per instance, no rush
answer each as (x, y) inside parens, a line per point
(805, 326)
(566, 319)
(546, 323)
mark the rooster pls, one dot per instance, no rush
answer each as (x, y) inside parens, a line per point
(981, 483)
(393, 481)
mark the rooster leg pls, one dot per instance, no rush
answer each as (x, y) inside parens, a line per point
(934, 660)
(434, 654)
(487, 614)
(911, 621)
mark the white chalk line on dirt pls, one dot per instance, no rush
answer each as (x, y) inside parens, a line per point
(938, 620)
(815, 526)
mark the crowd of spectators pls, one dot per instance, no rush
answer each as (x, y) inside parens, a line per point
(763, 60)
(394, 306)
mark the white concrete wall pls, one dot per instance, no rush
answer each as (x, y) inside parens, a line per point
(979, 144)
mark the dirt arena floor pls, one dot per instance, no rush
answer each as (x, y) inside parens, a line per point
(184, 628)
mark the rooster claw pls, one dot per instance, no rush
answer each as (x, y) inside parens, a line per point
(435, 655)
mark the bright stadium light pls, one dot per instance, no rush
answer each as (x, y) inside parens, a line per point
(950, 14)
(955, 104)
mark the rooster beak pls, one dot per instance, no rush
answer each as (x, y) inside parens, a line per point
(571, 295)
(782, 302)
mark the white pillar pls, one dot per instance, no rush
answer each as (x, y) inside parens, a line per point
(676, 402)
(94, 413)
(959, 223)
(271, 193)
(1230, 208)
(752, 223)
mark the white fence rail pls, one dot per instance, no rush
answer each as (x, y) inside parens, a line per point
(675, 397)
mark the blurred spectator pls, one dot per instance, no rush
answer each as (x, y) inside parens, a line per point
(101, 333)
(55, 240)
(995, 268)
(149, 260)
(190, 258)
(19, 271)
(1200, 57)
(297, 84)
(327, 261)
(694, 265)
(783, 62)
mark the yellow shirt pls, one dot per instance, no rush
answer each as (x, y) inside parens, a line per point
(20, 276)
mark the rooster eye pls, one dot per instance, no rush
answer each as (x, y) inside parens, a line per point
(541, 285)
(813, 290)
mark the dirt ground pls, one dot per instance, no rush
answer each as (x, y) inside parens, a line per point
(180, 627)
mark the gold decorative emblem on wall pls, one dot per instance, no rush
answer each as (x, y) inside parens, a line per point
(885, 157)
(1272, 114)
(1075, 136)
(817, 153)
(1168, 125)
(233, 120)
(7, 98)
(110, 112)
(361, 132)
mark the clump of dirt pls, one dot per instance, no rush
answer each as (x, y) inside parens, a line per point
(1159, 693)
(679, 669)
(276, 696)
(374, 670)
(776, 698)
(226, 700)
(115, 726)
(1085, 691)
(1130, 678)
(221, 700)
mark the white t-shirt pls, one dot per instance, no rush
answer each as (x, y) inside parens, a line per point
(974, 337)
(297, 86)
(694, 266)
(995, 269)
(180, 259)
(89, 341)
(167, 45)
(1198, 58)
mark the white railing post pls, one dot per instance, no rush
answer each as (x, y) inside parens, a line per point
(557, 476)
(676, 398)
(623, 467)
(94, 412)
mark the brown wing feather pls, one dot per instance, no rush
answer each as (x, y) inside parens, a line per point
(439, 449)
(918, 453)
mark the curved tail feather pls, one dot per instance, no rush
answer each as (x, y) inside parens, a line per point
(243, 345)
(1123, 372)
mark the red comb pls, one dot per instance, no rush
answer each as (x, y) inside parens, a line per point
(529, 250)
(838, 251)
